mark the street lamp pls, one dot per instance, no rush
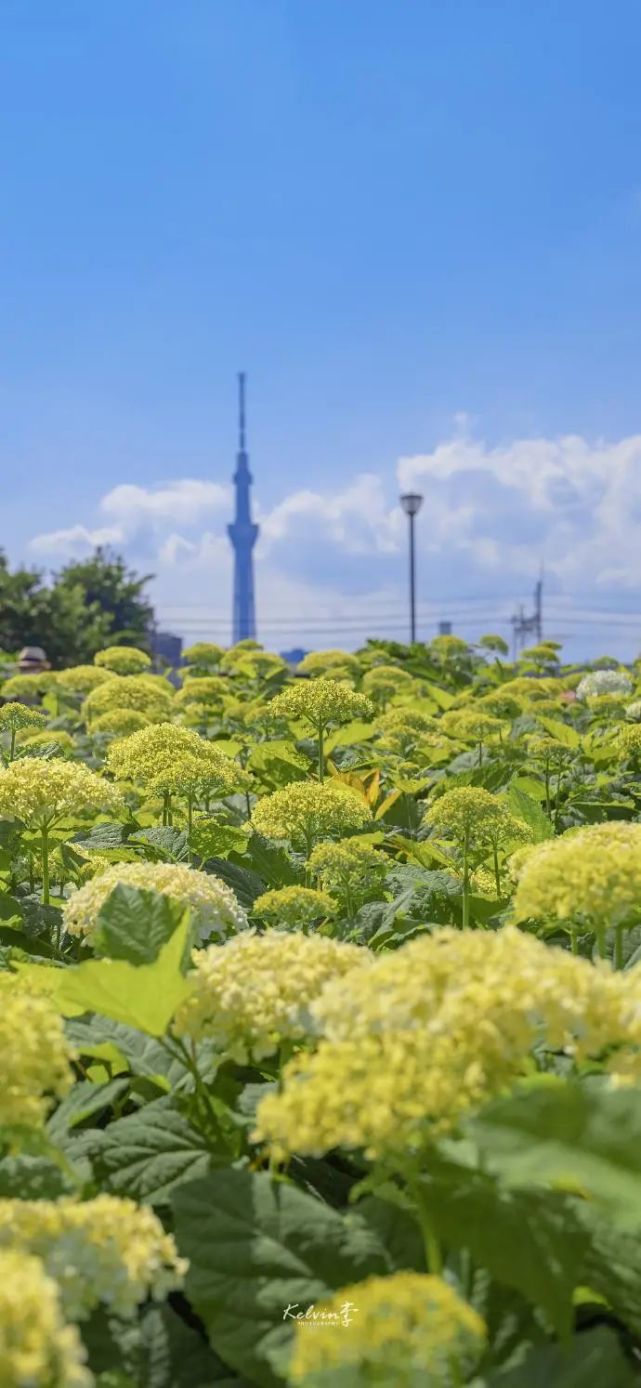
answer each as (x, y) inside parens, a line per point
(411, 503)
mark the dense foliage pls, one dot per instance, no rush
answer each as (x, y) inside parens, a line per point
(321, 1021)
(81, 609)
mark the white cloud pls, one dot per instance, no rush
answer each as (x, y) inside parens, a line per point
(491, 514)
(357, 519)
(186, 501)
(75, 541)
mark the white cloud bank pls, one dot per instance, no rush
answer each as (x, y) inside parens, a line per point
(491, 516)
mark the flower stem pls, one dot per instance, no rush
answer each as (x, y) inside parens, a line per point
(44, 840)
(466, 881)
(618, 947)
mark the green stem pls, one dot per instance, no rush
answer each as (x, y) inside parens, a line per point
(574, 939)
(190, 814)
(601, 944)
(13, 744)
(431, 1245)
(618, 947)
(466, 880)
(44, 840)
(321, 754)
(497, 874)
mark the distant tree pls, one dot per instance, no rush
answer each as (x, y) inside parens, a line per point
(87, 605)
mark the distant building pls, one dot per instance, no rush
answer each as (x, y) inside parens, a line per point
(445, 628)
(294, 656)
(166, 648)
(243, 534)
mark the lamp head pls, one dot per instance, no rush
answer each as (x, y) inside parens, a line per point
(411, 503)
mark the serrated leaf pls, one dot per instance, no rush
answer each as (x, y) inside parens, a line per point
(529, 1240)
(589, 1361)
(247, 885)
(561, 731)
(527, 809)
(571, 1136)
(164, 842)
(257, 1247)
(101, 836)
(135, 924)
(84, 1101)
(146, 1154)
(144, 996)
(32, 1178)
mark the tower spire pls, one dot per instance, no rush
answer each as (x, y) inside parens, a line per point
(243, 533)
(241, 411)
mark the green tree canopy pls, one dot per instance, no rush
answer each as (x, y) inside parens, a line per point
(85, 606)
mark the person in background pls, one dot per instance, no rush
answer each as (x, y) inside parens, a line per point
(32, 660)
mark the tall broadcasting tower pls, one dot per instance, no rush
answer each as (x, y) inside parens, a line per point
(243, 534)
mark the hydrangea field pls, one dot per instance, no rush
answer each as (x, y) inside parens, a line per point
(320, 1021)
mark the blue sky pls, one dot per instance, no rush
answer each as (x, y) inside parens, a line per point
(417, 226)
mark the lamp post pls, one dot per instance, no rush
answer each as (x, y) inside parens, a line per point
(411, 503)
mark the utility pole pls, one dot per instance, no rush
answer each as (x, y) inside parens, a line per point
(532, 625)
(411, 503)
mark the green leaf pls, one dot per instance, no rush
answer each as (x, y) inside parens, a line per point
(356, 731)
(135, 924)
(246, 884)
(144, 996)
(561, 731)
(32, 1178)
(527, 809)
(256, 1248)
(573, 1136)
(273, 865)
(530, 1240)
(146, 1154)
(592, 1360)
(125, 1048)
(84, 1101)
(162, 843)
(101, 836)
(208, 839)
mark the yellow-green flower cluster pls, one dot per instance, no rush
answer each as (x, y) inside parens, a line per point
(213, 907)
(474, 816)
(37, 1349)
(470, 725)
(628, 742)
(204, 654)
(294, 908)
(107, 1250)
(119, 721)
(253, 993)
(346, 864)
(147, 694)
(81, 679)
(386, 680)
(202, 689)
(324, 662)
(17, 716)
(408, 1329)
(60, 741)
(430, 1032)
(123, 660)
(41, 792)
(167, 759)
(590, 875)
(27, 686)
(36, 1056)
(306, 811)
(320, 702)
